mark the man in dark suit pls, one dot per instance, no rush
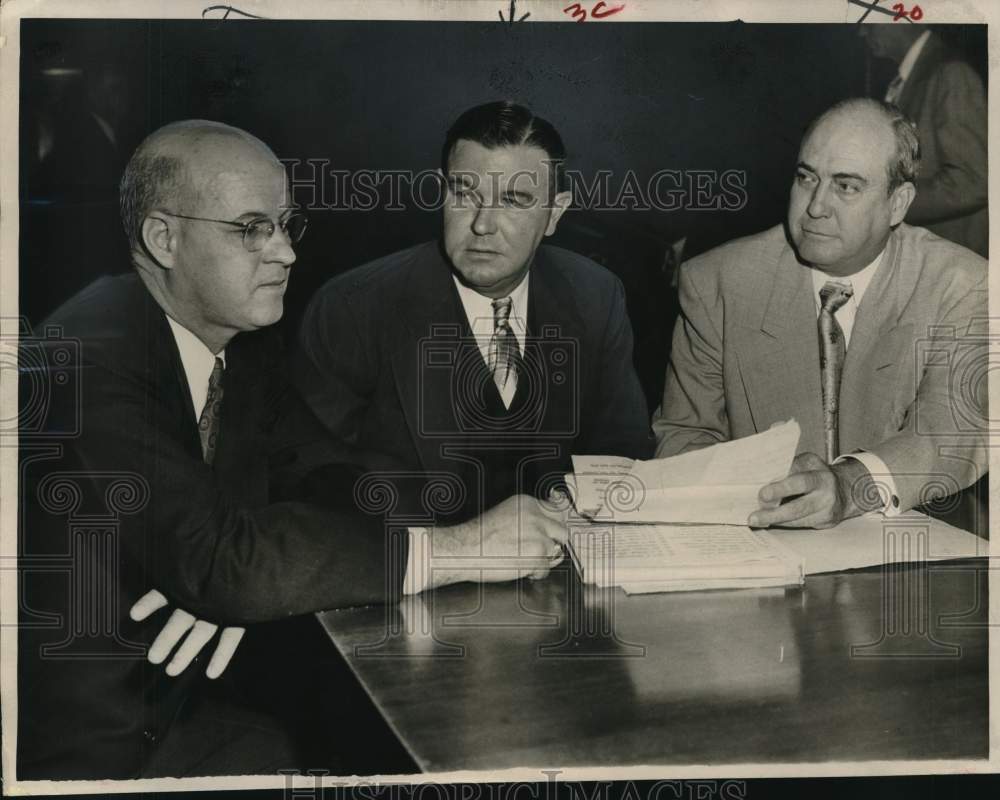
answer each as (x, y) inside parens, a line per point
(870, 332)
(483, 360)
(195, 469)
(945, 97)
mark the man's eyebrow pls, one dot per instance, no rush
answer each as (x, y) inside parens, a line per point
(252, 215)
(839, 176)
(852, 176)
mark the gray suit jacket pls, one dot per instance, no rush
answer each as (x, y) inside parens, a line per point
(746, 355)
(946, 99)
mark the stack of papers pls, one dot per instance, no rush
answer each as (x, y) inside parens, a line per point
(671, 558)
(680, 523)
(717, 484)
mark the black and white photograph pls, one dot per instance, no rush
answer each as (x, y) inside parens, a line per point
(586, 397)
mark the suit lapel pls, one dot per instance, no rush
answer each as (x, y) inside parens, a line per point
(553, 357)
(878, 344)
(779, 353)
(166, 369)
(429, 356)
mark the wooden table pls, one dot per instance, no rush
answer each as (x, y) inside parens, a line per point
(885, 663)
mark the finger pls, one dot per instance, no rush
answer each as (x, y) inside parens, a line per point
(195, 641)
(796, 483)
(550, 531)
(791, 513)
(146, 605)
(228, 642)
(172, 632)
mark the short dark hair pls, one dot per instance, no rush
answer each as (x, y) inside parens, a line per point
(504, 123)
(150, 180)
(905, 164)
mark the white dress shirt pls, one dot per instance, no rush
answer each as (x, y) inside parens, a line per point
(198, 362)
(845, 316)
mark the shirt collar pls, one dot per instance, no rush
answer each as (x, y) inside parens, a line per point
(906, 65)
(198, 362)
(479, 306)
(859, 280)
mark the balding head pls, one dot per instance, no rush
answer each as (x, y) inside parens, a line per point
(191, 194)
(177, 163)
(878, 121)
(853, 184)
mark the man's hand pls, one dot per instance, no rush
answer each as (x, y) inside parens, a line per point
(520, 537)
(199, 632)
(822, 495)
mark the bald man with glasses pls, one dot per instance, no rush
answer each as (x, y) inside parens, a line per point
(223, 491)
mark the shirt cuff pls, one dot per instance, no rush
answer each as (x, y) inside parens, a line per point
(884, 482)
(415, 579)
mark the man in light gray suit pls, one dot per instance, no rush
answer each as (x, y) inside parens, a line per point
(870, 332)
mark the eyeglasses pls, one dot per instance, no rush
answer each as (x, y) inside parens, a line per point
(258, 232)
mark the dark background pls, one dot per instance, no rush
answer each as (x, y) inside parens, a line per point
(641, 97)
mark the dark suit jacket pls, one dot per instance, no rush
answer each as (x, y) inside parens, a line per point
(386, 360)
(128, 504)
(946, 99)
(746, 356)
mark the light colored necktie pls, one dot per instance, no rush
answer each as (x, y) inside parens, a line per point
(832, 351)
(208, 423)
(503, 350)
(895, 89)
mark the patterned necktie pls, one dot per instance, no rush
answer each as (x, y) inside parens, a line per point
(831, 360)
(503, 350)
(208, 423)
(895, 89)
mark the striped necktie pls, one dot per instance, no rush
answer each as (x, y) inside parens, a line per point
(503, 351)
(832, 352)
(208, 423)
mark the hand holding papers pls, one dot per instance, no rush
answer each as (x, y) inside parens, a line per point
(718, 484)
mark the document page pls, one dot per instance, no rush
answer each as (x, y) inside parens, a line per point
(717, 484)
(872, 539)
(689, 555)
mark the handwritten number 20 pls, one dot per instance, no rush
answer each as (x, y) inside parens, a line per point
(916, 13)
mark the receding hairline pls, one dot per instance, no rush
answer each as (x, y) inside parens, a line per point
(858, 108)
(182, 139)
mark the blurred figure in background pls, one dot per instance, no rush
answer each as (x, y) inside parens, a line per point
(945, 97)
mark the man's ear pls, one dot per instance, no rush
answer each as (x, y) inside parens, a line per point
(159, 240)
(899, 203)
(560, 203)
